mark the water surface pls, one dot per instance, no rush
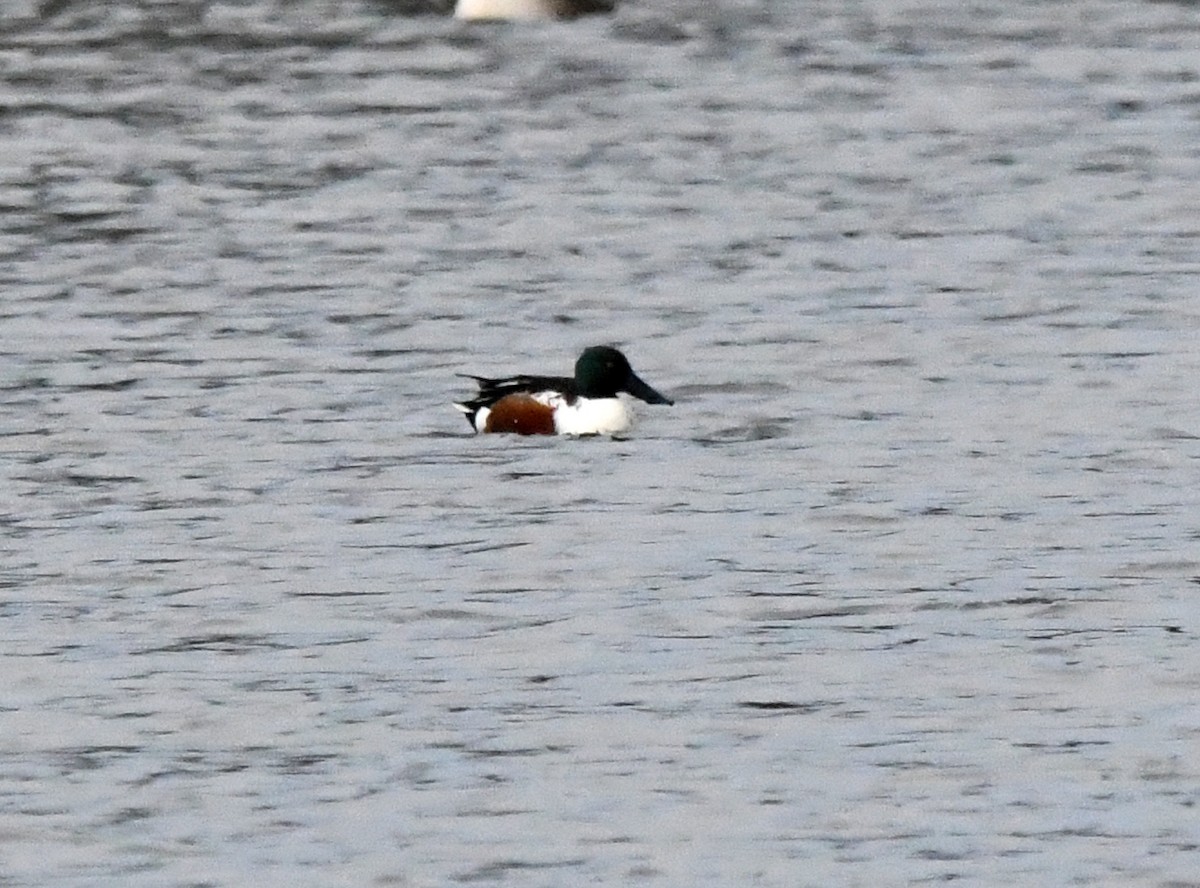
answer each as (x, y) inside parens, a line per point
(902, 590)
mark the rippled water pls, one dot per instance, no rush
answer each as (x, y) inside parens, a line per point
(902, 590)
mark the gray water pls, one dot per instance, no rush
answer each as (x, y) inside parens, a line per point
(902, 590)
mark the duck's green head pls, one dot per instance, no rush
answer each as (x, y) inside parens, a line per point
(602, 372)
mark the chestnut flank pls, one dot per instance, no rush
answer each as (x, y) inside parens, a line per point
(521, 414)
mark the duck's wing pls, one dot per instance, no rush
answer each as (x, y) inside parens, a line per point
(492, 390)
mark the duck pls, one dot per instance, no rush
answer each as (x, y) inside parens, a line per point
(586, 404)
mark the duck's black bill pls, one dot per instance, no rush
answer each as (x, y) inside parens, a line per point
(636, 387)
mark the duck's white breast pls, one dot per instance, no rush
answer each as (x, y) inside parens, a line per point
(592, 416)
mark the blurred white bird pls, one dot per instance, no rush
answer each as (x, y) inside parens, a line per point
(529, 9)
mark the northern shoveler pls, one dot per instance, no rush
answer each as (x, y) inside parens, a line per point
(557, 405)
